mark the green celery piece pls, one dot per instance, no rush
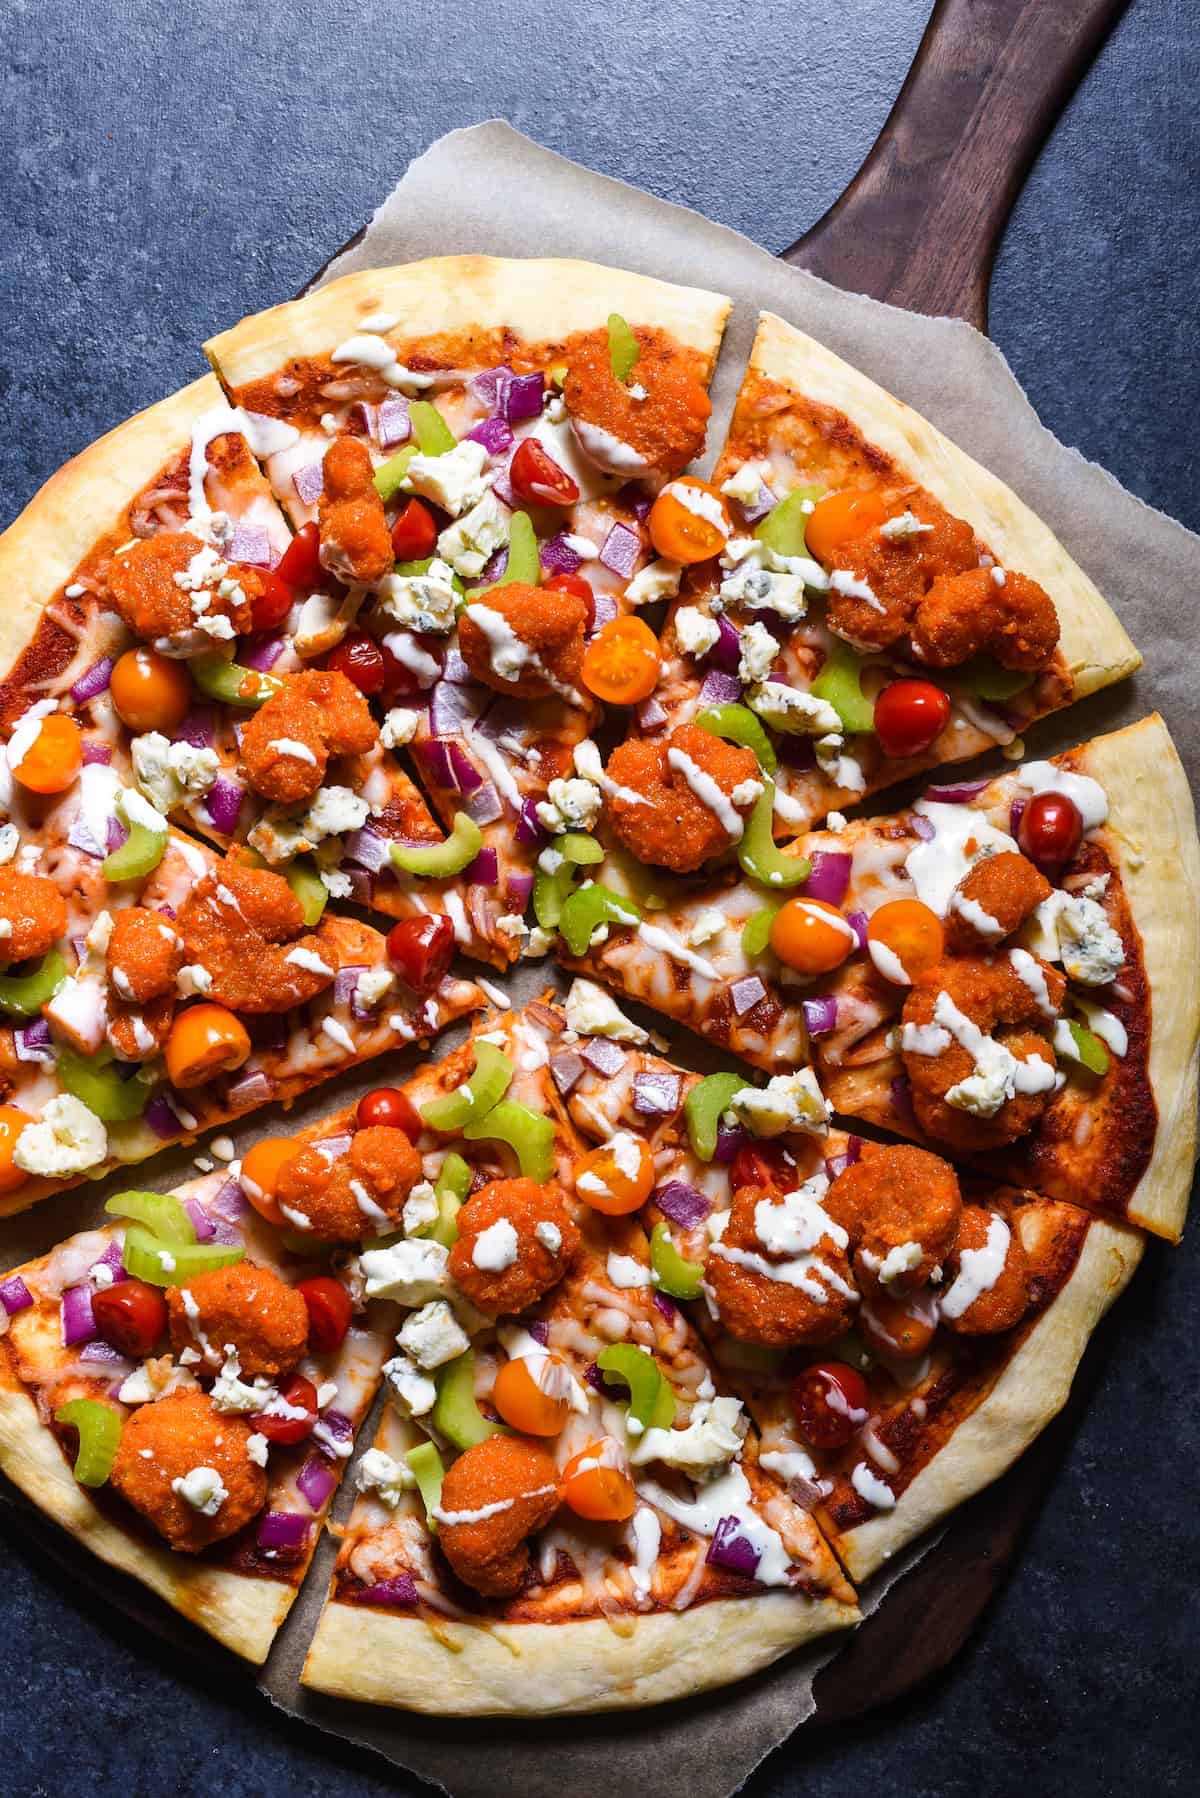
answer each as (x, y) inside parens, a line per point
(434, 436)
(757, 851)
(451, 1187)
(578, 848)
(99, 1428)
(455, 1414)
(840, 683)
(524, 558)
(678, 1277)
(485, 1087)
(623, 348)
(308, 887)
(1090, 1051)
(144, 1253)
(531, 1137)
(390, 474)
(551, 892)
(986, 678)
(651, 1400)
(138, 855)
(94, 1080)
(435, 860)
(702, 1111)
(756, 931)
(24, 994)
(222, 680)
(425, 1465)
(590, 907)
(161, 1213)
(738, 724)
(783, 529)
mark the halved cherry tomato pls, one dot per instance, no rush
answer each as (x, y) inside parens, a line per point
(329, 1312)
(521, 1400)
(811, 936)
(300, 563)
(689, 521)
(838, 519)
(149, 691)
(594, 1486)
(300, 1393)
(896, 1328)
(421, 950)
(399, 682)
(911, 932)
(621, 664)
(205, 1040)
(830, 1402)
(765, 1164)
(909, 716)
(387, 1108)
(575, 583)
(602, 1183)
(360, 659)
(54, 758)
(12, 1121)
(537, 477)
(414, 534)
(260, 1173)
(132, 1316)
(1051, 829)
(271, 605)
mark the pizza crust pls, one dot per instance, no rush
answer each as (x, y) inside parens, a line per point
(1094, 644)
(556, 1669)
(241, 1612)
(543, 300)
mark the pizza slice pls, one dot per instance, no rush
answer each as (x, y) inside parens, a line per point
(181, 1388)
(565, 1508)
(872, 602)
(470, 449)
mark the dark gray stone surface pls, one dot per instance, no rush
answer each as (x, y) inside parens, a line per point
(164, 170)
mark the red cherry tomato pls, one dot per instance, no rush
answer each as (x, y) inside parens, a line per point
(329, 1312)
(271, 606)
(360, 659)
(132, 1316)
(421, 950)
(399, 682)
(537, 477)
(387, 1108)
(1051, 829)
(414, 534)
(763, 1164)
(297, 1392)
(827, 1399)
(300, 563)
(575, 583)
(909, 716)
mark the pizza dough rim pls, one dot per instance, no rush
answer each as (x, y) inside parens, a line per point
(1094, 643)
(241, 1612)
(1031, 1390)
(559, 1669)
(542, 298)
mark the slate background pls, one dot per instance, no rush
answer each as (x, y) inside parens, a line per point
(164, 170)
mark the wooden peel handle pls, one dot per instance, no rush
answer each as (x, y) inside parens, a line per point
(920, 223)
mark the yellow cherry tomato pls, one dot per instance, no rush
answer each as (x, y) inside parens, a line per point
(838, 519)
(621, 664)
(689, 521)
(12, 1121)
(54, 758)
(205, 1040)
(260, 1173)
(618, 1177)
(810, 936)
(894, 1327)
(149, 691)
(535, 1402)
(907, 932)
(596, 1486)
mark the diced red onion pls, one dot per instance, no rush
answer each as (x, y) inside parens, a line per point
(111, 1259)
(685, 1205)
(720, 689)
(116, 835)
(518, 888)
(467, 777)
(668, 1307)
(367, 848)
(857, 921)
(605, 1057)
(251, 1089)
(635, 499)
(284, 1529)
(433, 759)
(650, 715)
(103, 1354)
(837, 1164)
(451, 706)
(604, 610)
(728, 1143)
(333, 1427)
(263, 655)
(362, 884)
(484, 871)
(316, 1480)
(78, 1324)
(594, 1378)
(94, 682)
(32, 1043)
(557, 556)
(528, 831)
(620, 550)
(958, 792)
(485, 805)
(745, 994)
(495, 434)
(392, 423)
(251, 544)
(223, 802)
(309, 483)
(94, 752)
(400, 1590)
(196, 729)
(763, 502)
(345, 982)
(830, 876)
(14, 1294)
(566, 1071)
(655, 1095)
(488, 383)
(523, 396)
(1016, 812)
(726, 652)
(455, 668)
(922, 827)
(900, 1094)
(732, 1549)
(820, 1015)
(160, 1118)
(504, 490)
(539, 1329)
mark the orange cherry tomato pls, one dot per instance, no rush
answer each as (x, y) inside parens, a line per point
(810, 936)
(838, 519)
(596, 1486)
(149, 691)
(689, 521)
(910, 715)
(12, 1121)
(522, 1400)
(899, 1328)
(617, 1177)
(260, 1173)
(54, 758)
(621, 664)
(300, 563)
(909, 931)
(537, 477)
(387, 1108)
(205, 1040)
(414, 534)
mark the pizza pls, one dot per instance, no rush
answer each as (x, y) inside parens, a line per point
(410, 631)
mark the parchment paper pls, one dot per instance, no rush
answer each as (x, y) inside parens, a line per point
(1146, 564)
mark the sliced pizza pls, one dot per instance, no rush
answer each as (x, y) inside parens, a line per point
(469, 449)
